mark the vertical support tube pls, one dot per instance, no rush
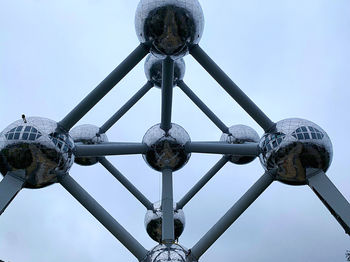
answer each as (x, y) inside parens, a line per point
(231, 216)
(231, 88)
(125, 108)
(167, 92)
(103, 217)
(201, 183)
(126, 183)
(168, 236)
(104, 87)
(205, 109)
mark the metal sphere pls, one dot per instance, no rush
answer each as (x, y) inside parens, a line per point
(166, 150)
(171, 26)
(168, 253)
(153, 222)
(38, 146)
(153, 70)
(240, 134)
(295, 145)
(87, 135)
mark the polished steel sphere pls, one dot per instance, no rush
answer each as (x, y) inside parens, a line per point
(153, 70)
(38, 146)
(240, 134)
(153, 222)
(87, 135)
(168, 253)
(170, 26)
(166, 150)
(294, 146)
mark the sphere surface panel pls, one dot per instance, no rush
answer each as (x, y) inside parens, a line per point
(37, 146)
(153, 222)
(153, 70)
(294, 146)
(166, 150)
(87, 135)
(163, 253)
(170, 25)
(240, 134)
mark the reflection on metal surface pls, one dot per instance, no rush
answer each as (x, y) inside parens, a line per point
(166, 150)
(240, 134)
(170, 25)
(153, 222)
(295, 145)
(163, 253)
(153, 70)
(37, 146)
(87, 135)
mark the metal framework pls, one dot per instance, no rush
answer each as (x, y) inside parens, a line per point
(316, 179)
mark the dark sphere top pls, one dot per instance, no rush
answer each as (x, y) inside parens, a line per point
(171, 26)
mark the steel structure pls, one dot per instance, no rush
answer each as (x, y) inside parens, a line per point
(36, 152)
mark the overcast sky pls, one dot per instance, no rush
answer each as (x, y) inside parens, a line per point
(291, 57)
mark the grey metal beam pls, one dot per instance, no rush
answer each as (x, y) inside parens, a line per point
(167, 92)
(168, 234)
(104, 87)
(126, 107)
(103, 217)
(205, 109)
(126, 183)
(231, 88)
(251, 149)
(107, 149)
(231, 216)
(331, 198)
(10, 185)
(201, 183)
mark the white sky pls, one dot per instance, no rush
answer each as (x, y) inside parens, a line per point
(290, 57)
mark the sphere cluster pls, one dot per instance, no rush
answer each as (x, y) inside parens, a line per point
(87, 135)
(153, 70)
(39, 147)
(294, 146)
(240, 134)
(153, 222)
(170, 26)
(166, 149)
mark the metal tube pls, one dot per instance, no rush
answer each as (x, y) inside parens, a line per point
(230, 217)
(201, 183)
(126, 107)
(251, 149)
(231, 88)
(205, 109)
(10, 185)
(330, 196)
(126, 183)
(168, 235)
(107, 149)
(167, 92)
(103, 217)
(104, 87)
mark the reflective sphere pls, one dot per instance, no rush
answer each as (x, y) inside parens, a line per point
(153, 222)
(240, 134)
(153, 70)
(171, 26)
(163, 253)
(37, 146)
(87, 135)
(166, 150)
(294, 146)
